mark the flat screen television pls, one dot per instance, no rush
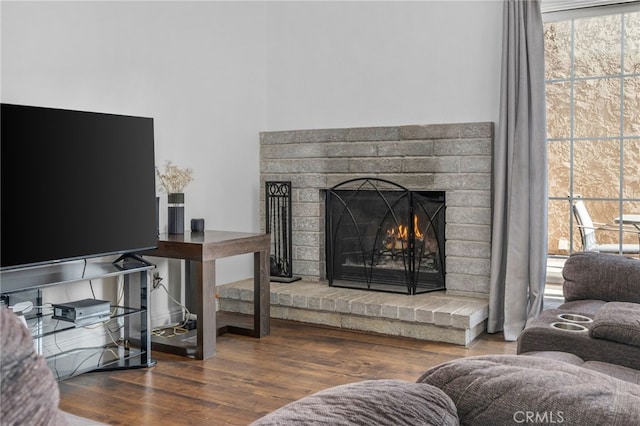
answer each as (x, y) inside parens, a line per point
(75, 185)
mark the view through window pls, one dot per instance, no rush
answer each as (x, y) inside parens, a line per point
(592, 72)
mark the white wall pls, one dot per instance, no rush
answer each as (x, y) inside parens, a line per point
(347, 64)
(214, 74)
(197, 68)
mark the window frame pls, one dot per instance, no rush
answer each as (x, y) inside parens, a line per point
(565, 10)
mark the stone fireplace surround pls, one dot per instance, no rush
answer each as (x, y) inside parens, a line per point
(455, 158)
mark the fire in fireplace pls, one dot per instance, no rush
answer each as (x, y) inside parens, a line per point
(382, 236)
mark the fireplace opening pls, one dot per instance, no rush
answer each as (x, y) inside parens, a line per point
(384, 237)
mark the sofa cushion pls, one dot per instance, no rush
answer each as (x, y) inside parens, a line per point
(618, 371)
(619, 322)
(513, 389)
(599, 276)
(558, 356)
(369, 402)
(585, 307)
(540, 336)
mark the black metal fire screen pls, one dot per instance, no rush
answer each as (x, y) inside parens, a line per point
(382, 236)
(278, 224)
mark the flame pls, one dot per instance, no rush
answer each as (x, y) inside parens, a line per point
(402, 231)
(416, 228)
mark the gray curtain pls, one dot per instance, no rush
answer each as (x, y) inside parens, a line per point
(519, 234)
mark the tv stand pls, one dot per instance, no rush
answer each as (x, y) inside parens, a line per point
(71, 349)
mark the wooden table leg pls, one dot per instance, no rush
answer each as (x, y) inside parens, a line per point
(261, 294)
(205, 284)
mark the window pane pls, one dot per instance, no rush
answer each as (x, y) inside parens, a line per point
(632, 106)
(631, 207)
(631, 167)
(597, 107)
(558, 110)
(596, 168)
(630, 237)
(557, 41)
(558, 169)
(597, 46)
(632, 43)
(559, 220)
(601, 212)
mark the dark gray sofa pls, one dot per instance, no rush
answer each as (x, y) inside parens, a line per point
(606, 289)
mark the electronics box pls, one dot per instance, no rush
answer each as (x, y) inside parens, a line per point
(83, 312)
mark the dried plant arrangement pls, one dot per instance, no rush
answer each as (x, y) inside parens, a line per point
(174, 179)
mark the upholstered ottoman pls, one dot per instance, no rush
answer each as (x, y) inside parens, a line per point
(514, 389)
(369, 402)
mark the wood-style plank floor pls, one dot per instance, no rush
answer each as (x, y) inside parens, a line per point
(250, 377)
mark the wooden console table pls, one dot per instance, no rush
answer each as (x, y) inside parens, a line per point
(200, 251)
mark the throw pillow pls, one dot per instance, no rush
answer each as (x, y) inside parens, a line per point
(619, 322)
(514, 389)
(369, 402)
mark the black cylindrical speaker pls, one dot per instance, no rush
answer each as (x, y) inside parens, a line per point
(197, 225)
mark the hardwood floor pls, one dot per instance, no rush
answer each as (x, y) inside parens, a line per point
(250, 377)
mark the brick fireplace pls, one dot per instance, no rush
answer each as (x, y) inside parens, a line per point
(453, 158)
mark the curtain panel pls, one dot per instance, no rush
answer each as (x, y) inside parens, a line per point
(519, 230)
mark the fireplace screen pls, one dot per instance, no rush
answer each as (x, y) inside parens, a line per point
(381, 236)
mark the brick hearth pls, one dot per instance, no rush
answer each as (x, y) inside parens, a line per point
(430, 316)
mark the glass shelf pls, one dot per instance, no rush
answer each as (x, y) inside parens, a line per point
(45, 325)
(81, 360)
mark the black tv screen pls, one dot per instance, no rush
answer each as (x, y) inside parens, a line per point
(74, 185)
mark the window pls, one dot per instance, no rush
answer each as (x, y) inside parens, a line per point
(592, 72)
